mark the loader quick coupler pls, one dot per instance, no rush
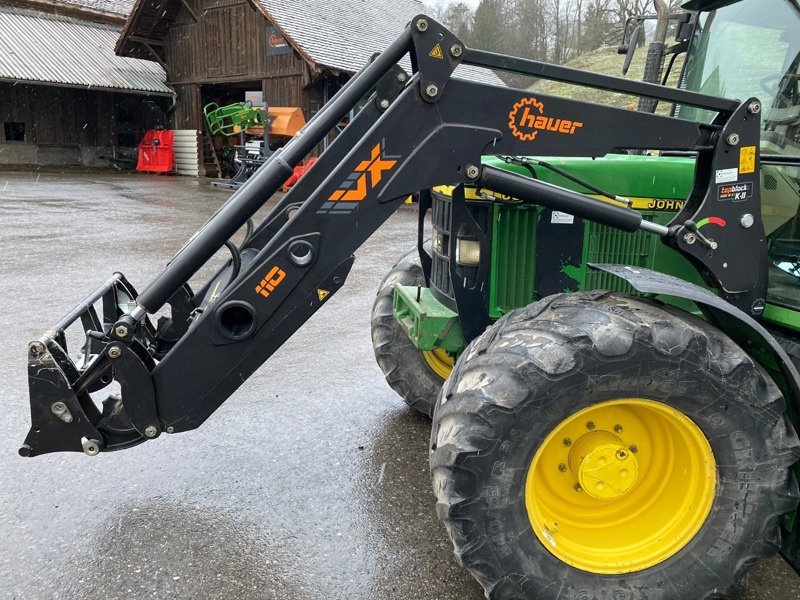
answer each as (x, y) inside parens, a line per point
(416, 132)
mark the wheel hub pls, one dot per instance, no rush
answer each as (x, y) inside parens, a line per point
(603, 465)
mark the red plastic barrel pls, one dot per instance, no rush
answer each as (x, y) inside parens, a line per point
(157, 152)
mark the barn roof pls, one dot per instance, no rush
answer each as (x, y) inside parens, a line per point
(344, 34)
(115, 7)
(40, 48)
(338, 35)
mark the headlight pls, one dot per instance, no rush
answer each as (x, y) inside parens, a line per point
(468, 252)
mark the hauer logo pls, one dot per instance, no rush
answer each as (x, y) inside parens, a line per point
(528, 117)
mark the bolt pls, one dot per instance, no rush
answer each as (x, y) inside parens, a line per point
(121, 331)
(422, 25)
(747, 221)
(401, 77)
(562, 467)
(590, 425)
(577, 487)
(432, 90)
(61, 411)
(473, 171)
(754, 107)
(114, 352)
(732, 139)
(25, 451)
(633, 448)
(690, 238)
(384, 104)
(567, 442)
(617, 428)
(151, 431)
(456, 50)
(36, 348)
(170, 429)
(90, 447)
(621, 454)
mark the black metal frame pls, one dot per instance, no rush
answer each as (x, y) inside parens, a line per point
(419, 131)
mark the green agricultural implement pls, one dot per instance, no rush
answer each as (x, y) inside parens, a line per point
(606, 335)
(233, 119)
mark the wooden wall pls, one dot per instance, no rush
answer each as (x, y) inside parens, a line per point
(75, 124)
(227, 44)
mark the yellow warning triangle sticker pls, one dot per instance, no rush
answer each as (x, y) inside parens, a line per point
(437, 52)
(323, 294)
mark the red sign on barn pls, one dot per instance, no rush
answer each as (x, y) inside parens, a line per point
(276, 42)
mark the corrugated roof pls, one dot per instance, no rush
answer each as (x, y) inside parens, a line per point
(117, 7)
(58, 50)
(344, 34)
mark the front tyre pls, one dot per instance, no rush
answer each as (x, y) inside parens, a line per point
(599, 446)
(416, 375)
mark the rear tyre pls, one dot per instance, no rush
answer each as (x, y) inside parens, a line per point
(415, 375)
(600, 446)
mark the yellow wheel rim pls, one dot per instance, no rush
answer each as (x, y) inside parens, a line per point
(439, 361)
(620, 486)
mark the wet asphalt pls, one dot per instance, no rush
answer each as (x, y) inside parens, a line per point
(310, 482)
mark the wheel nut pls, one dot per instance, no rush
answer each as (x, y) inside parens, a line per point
(567, 442)
(590, 425)
(633, 448)
(562, 467)
(617, 428)
(621, 454)
(577, 487)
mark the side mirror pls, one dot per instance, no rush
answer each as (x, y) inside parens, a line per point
(631, 49)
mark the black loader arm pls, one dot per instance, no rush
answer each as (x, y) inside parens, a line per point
(416, 131)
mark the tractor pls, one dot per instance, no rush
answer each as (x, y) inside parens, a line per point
(601, 318)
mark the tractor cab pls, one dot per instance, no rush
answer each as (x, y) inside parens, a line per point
(752, 48)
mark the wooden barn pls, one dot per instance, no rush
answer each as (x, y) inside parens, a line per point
(294, 52)
(65, 97)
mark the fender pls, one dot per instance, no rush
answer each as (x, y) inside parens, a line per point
(736, 324)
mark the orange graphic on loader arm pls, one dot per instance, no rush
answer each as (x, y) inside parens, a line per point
(371, 169)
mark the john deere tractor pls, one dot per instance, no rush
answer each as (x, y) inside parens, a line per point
(606, 335)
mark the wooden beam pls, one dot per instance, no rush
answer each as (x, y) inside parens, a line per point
(148, 41)
(155, 55)
(189, 10)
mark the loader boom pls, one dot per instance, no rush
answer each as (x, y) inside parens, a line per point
(417, 131)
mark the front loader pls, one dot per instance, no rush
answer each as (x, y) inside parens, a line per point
(587, 444)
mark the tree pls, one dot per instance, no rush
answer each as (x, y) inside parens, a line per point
(488, 27)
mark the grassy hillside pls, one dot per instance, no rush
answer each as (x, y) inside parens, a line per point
(606, 61)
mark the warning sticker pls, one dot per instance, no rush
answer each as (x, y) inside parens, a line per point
(562, 218)
(437, 52)
(736, 191)
(727, 175)
(747, 159)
